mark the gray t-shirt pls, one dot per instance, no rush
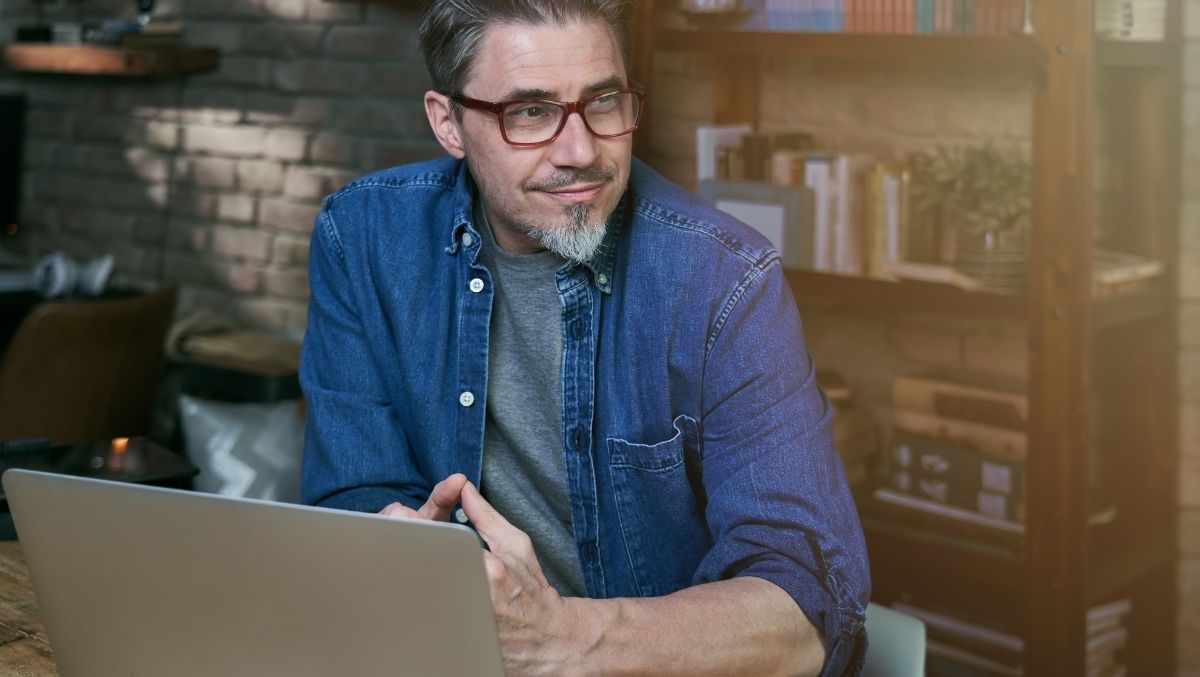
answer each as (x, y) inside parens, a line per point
(524, 469)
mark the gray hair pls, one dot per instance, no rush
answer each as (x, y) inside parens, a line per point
(451, 30)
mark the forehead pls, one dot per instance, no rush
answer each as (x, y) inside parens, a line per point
(561, 60)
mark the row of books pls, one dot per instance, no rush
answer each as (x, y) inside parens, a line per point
(1143, 20)
(846, 212)
(959, 644)
(966, 17)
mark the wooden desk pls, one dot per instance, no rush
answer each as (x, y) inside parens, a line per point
(24, 647)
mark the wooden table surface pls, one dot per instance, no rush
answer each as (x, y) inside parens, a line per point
(24, 647)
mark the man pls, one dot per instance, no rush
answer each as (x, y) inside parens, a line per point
(619, 369)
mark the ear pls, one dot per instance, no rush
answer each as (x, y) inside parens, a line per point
(445, 126)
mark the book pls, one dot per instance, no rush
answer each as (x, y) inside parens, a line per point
(711, 137)
(887, 222)
(1003, 443)
(964, 395)
(986, 523)
(934, 470)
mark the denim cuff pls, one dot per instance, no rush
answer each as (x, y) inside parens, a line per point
(829, 606)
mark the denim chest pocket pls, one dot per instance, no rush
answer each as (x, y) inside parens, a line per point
(660, 505)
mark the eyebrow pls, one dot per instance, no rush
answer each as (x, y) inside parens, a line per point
(535, 94)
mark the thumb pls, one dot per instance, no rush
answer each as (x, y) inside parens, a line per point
(495, 530)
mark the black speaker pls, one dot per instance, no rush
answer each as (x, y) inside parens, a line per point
(12, 140)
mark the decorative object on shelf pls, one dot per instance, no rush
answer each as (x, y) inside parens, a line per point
(145, 8)
(715, 13)
(981, 197)
(783, 214)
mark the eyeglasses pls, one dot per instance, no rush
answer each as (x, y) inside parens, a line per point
(534, 123)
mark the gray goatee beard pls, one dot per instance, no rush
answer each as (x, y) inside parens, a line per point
(577, 240)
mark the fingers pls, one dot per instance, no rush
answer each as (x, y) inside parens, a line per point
(443, 498)
(497, 532)
(399, 510)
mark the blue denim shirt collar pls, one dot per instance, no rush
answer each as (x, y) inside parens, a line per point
(601, 263)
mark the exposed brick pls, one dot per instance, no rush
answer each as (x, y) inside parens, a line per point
(189, 270)
(260, 176)
(999, 352)
(290, 251)
(210, 172)
(276, 39)
(287, 216)
(306, 183)
(365, 42)
(286, 144)
(240, 279)
(400, 79)
(332, 149)
(925, 344)
(331, 11)
(234, 9)
(188, 236)
(125, 130)
(150, 231)
(287, 284)
(212, 104)
(194, 204)
(146, 165)
(382, 153)
(228, 141)
(248, 71)
(48, 123)
(235, 208)
(319, 77)
(287, 10)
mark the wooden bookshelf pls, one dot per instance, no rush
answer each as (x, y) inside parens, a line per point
(1099, 367)
(109, 61)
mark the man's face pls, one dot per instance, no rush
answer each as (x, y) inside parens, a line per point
(571, 185)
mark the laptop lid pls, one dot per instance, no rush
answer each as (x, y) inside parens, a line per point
(143, 581)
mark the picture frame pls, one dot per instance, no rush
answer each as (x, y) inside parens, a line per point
(782, 214)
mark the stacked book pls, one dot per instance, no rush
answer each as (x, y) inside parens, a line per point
(958, 644)
(1131, 19)
(855, 435)
(963, 17)
(958, 454)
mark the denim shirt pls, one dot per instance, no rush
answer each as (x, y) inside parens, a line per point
(697, 443)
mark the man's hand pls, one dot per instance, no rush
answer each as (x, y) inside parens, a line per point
(440, 504)
(533, 620)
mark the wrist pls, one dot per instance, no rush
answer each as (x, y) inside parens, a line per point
(584, 628)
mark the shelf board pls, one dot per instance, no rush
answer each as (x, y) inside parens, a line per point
(109, 61)
(810, 287)
(931, 556)
(1127, 53)
(1017, 50)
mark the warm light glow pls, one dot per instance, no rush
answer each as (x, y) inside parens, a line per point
(12, 229)
(119, 444)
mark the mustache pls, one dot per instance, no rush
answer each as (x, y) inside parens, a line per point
(569, 177)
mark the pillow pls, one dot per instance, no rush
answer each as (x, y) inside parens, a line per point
(248, 450)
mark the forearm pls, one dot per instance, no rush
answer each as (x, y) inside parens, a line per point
(743, 626)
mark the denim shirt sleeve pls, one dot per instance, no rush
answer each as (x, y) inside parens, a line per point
(355, 453)
(779, 507)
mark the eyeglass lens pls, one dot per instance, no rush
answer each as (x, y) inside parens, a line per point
(537, 121)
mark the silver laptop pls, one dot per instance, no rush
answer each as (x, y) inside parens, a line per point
(142, 581)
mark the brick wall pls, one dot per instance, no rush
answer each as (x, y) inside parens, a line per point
(1189, 351)
(213, 181)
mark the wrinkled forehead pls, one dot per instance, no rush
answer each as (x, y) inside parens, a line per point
(550, 60)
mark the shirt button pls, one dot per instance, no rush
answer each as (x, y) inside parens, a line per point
(467, 398)
(602, 279)
(467, 239)
(477, 285)
(460, 516)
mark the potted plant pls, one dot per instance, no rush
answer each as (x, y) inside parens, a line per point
(981, 196)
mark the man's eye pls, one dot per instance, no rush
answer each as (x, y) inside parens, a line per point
(529, 111)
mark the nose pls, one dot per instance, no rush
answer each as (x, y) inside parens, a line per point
(575, 145)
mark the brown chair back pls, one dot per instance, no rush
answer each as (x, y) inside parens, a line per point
(81, 371)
